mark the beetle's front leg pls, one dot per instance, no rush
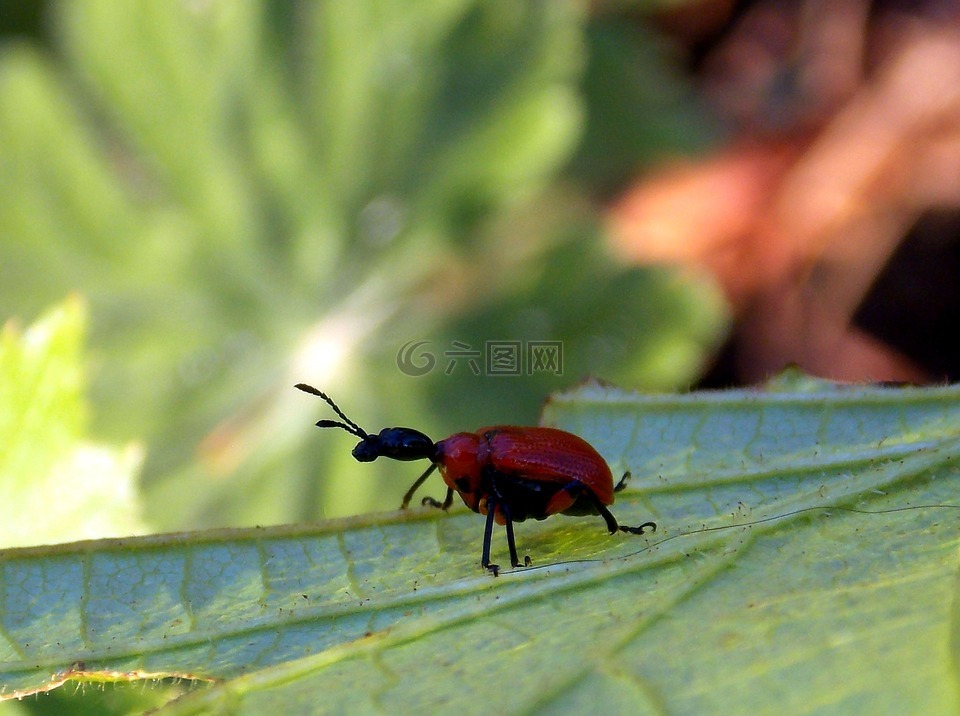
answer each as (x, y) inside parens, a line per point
(413, 488)
(445, 505)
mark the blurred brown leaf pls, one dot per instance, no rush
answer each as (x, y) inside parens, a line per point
(796, 225)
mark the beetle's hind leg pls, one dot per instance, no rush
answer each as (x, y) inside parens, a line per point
(639, 529)
(614, 527)
(612, 521)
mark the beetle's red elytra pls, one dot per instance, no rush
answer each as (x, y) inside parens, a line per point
(505, 472)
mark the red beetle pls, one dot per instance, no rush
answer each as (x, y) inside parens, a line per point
(505, 472)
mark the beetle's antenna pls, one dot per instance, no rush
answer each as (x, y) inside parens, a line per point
(347, 424)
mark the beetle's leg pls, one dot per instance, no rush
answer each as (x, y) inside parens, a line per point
(445, 505)
(612, 521)
(639, 529)
(608, 516)
(623, 481)
(413, 488)
(508, 523)
(487, 534)
(511, 542)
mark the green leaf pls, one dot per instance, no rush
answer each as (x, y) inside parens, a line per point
(785, 576)
(56, 484)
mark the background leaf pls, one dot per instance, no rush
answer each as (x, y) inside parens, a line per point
(821, 608)
(55, 484)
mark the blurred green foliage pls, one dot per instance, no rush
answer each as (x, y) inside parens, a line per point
(252, 194)
(55, 484)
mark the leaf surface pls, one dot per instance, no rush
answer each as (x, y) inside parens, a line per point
(810, 607)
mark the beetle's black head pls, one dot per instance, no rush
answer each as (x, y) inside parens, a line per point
(394, 443)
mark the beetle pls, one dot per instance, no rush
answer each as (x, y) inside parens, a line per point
(505, 472)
